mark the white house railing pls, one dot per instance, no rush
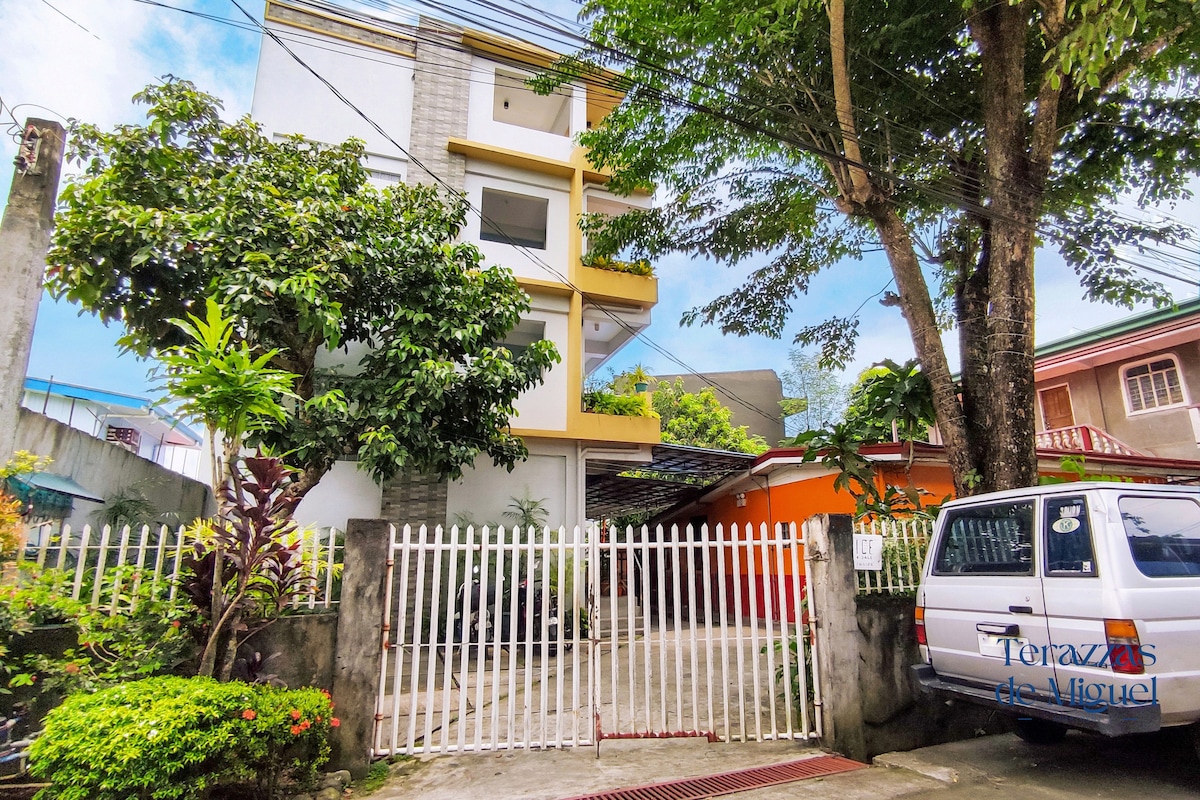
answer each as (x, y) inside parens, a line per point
(1083, 439)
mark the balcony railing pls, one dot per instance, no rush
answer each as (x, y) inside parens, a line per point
(1083, 439)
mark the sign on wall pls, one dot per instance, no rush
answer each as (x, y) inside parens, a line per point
(868, 551)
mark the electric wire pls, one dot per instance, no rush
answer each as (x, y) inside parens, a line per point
(459, 194)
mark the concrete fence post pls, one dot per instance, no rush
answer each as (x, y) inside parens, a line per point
(358, 655)
(829, 539)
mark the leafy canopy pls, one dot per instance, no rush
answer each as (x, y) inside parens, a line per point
(698, 419)
(954, 135)
(306, 257)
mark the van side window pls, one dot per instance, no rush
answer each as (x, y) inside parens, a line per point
(1068, 538)
(1163, 534)
(987, 539)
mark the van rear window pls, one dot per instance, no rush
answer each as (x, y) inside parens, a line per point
(987, 539)
(1163, 534)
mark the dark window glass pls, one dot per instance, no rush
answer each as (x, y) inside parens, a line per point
(514, 219)
(1068, 538)
(987, 539)
(1163, 534)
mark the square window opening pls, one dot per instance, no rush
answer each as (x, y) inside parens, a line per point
(514, 103)
(514, 219)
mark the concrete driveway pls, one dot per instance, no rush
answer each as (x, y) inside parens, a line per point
(1160, 766)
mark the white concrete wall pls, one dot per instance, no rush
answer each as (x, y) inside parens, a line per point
(551, 474)
(549, 264)
(288, 99)
(345, 493)
(482, 127)
(545, 407)
(104, 469)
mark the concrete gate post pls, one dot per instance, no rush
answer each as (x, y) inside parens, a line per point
(359, 650)
(829, 542)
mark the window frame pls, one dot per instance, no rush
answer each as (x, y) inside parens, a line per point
(1146, 362)
(1042, 405)
(1141, 564)
(1047, 532)
(486, 235)
(1032, 562)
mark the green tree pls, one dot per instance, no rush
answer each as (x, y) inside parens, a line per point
(889, 402)
(954, 135)
(816, 397)
(307, 257)
(698, 419)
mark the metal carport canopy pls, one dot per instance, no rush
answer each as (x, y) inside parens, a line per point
(674, 474)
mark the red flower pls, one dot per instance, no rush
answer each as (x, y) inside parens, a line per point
(305, 725)
(296, 730)
(249, 713)
(71, 669)
(175, 623)
(296, 713)
(335, 723)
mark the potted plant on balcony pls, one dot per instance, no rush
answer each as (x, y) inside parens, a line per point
(638, 378)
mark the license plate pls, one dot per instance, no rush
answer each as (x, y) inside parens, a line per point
(992, 645)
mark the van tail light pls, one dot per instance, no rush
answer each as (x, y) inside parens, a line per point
(1124, 648)
(920, 620)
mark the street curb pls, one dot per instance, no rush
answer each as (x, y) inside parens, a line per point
(912, 763)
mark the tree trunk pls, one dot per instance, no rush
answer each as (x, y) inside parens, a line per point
(1014, 186)
(917, 306)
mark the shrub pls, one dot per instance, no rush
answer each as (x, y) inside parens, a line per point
(620, 405)
(172, 738)
(640, 267)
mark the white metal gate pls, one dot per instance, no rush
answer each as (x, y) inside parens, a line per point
(496, 639)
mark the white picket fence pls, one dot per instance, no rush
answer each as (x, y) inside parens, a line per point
(904, 544)
(98, 560)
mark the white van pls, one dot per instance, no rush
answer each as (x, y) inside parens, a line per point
(1075, 605)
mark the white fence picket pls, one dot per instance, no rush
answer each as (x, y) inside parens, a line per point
(119, 561)
(904, 544)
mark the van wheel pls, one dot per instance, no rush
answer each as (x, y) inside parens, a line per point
(1040, 731)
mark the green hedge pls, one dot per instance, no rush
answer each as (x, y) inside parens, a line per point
(175, 738)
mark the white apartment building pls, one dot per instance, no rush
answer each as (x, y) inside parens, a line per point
(455, 102)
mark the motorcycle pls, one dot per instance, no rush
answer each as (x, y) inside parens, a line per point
(476, 617)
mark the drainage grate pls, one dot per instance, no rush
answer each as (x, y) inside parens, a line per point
(730, 782)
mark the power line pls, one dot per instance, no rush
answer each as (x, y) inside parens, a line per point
(457, 193)
(438, 179)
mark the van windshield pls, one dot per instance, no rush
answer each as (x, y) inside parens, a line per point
(1163, 534)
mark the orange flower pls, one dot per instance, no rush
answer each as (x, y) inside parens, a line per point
(296, 730)
(296, 713)
(335, 723)
(71, 669)
(249, 713)
(305, 725)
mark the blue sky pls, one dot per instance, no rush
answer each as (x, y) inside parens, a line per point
(84, 59)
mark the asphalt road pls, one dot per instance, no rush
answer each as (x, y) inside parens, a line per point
(1161, 765)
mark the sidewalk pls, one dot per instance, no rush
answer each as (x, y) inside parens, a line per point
(557, 774)
(1160, 765)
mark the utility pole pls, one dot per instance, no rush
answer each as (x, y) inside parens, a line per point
(24, 239)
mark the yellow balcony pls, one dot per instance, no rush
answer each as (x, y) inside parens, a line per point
(618, 287)
(611, 428)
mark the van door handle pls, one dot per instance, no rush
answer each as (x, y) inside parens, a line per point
(998, 629)
(1020, 609)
